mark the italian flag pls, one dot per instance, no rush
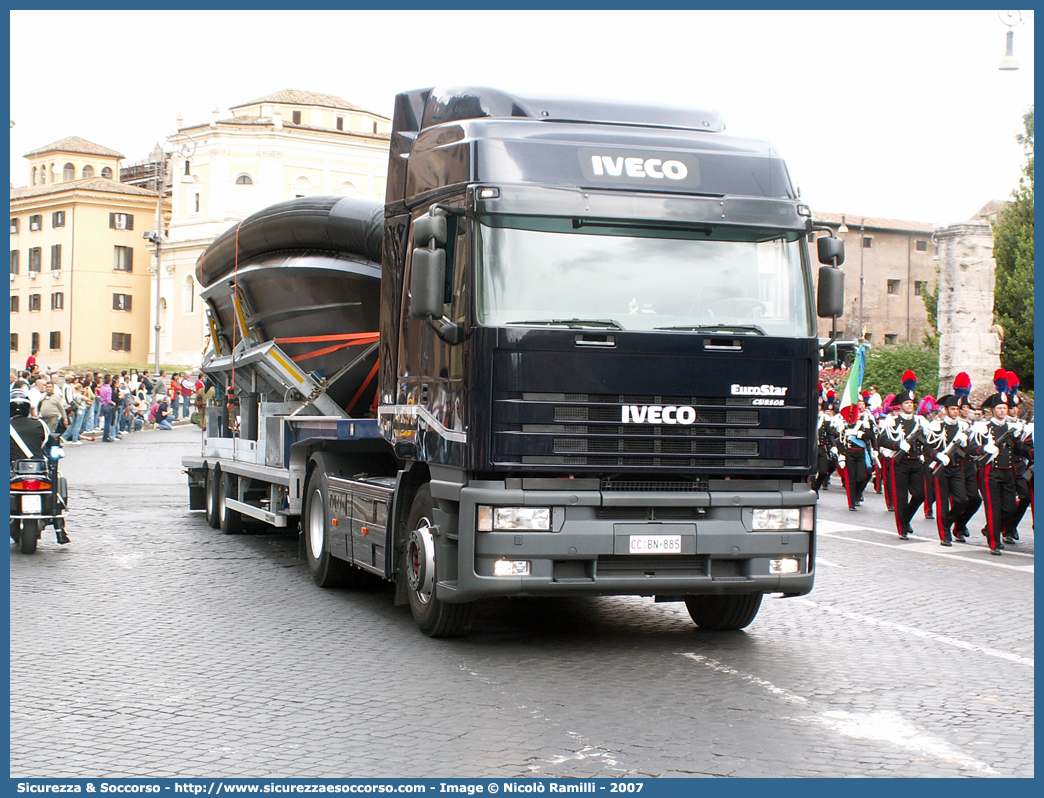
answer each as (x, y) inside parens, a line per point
(851, 395)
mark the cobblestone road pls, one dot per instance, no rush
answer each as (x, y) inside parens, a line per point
(154, 646)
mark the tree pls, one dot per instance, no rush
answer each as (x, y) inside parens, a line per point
(1013, 251)
(885, 367)
(930, 338)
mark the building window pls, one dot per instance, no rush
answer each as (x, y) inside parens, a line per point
(188, 295)
(375, 127)
(340, 123)
(893, 286)
(58, 219)
(34, 342)
(106, 172)
(34, 302)
(14, 261)
(244, 180)
(921, 246)
(296, 116)
(302, 187)
(868, 242)
(35, 222)
(124, 261)
(35, 258)
(14, 342)
(197, 201)
(14, 225)
(57, 301)
(920, 287)
(14, 303)
(121, 342)
(121, 301)
(88, 171)
(121, 221)
(56, 257)
(868, 337)
(68, 173)
(55, 341)
(891, 339)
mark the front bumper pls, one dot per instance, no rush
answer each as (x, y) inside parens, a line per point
(587, 552)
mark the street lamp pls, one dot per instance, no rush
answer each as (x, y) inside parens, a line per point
(1011, 19)
(186, 149)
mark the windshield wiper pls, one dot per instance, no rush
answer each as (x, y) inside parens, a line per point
(615, 325)
(737, 328)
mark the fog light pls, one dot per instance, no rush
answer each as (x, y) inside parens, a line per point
(511, 568)
(787, 565)
(777, 518)
(514, 519)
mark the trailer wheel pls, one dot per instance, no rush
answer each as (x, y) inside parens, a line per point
(29, 535)
(723, 613)
(213, 476)
(230, 522)
(326, 570)
(434, 617)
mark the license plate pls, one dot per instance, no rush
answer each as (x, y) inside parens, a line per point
(655, 544)
(32, 505)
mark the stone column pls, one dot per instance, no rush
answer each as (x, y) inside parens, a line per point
(965, 318)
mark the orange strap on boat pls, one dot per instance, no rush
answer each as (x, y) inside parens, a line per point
(359, 393)
(354, 340)
(360, 338)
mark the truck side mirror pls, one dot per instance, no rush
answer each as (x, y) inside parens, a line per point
(830, 248)
(427, 283)
(830, 295)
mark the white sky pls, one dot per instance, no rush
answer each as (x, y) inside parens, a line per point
(890, 114)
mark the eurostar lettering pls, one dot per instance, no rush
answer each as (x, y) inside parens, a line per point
(658, 414)
(758, 390)
(655, 168)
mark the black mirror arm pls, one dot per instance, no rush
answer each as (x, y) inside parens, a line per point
(448, 331)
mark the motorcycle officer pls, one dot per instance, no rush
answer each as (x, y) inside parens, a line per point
(28, 436)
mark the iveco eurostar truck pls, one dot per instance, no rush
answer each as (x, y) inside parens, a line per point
(574, 353)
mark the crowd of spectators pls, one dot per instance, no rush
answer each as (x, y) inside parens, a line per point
(80, 407)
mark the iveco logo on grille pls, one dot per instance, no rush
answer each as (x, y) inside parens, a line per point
(658, 414)
(758, 390)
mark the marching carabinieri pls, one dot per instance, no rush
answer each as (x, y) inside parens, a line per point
(999, 444)
(827, 451)
(858, 437)
(949, 435)
(969, 473)
(906, 438)
(1023, 464)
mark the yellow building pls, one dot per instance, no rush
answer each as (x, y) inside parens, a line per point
(80, 282)
(288, 144)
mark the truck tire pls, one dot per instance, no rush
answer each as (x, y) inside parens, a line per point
(28, 536)
(213, 475)
(326, 570)
(230, 522)
(723, 613)
(434, 617)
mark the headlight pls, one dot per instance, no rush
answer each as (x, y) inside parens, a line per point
(777, 519)
(512, 519)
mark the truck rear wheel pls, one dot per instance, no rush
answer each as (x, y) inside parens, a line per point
(326, 570)
(29, 535)
(723, 613)
(434, 617)
(212, 489)
(230, 522)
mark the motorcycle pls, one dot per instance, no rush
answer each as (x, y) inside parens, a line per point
(38, 496)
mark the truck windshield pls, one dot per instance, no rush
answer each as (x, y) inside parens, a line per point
(576, 272)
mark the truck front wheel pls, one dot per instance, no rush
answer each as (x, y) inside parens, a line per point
(326, 570)
(723, 613)
(419, 567)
